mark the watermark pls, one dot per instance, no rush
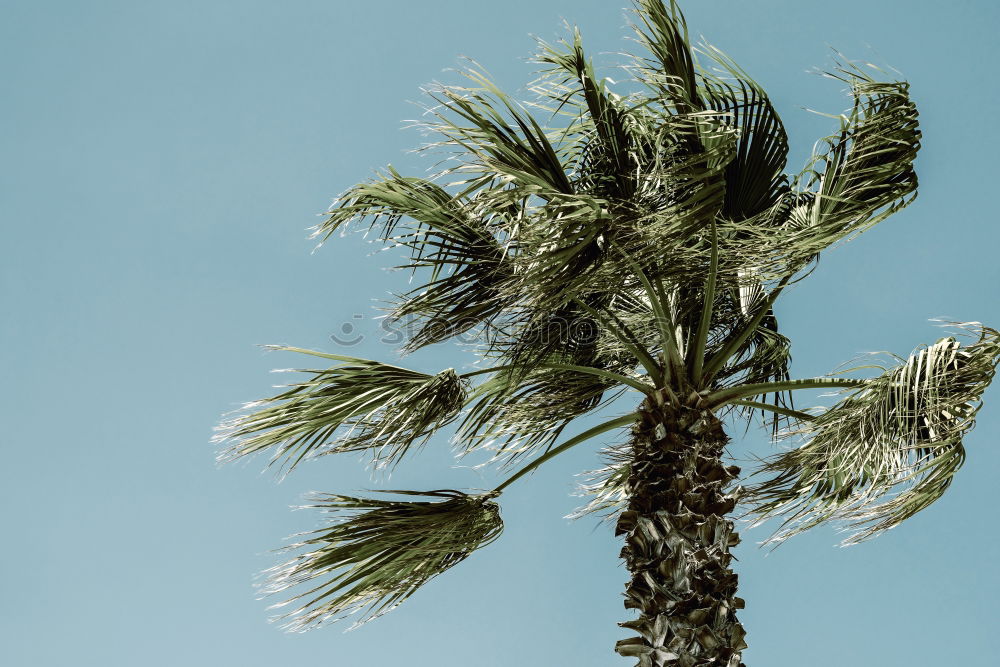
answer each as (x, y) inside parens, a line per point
(554, 330)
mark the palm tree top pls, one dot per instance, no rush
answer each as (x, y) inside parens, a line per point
(607, 239)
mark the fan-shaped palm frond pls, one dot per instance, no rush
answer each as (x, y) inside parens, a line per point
(755, 178)
(495, 140)
(357, 405)
(867, 170)
(612, 151)
(896, 439)
(379, 552)
(864, 175)
(451, 236)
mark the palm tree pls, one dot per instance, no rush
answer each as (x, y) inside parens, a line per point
(636, 242)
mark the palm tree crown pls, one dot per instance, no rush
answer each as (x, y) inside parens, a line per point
(607, 240)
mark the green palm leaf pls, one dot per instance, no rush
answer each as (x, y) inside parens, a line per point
(755, 178)
(377, 553)
(606, 486)
(498, 140)
(357, 405)
(603, 118)
(887, 450)
(867, 170)
(864, 175)
(450, 236)
(671, 72)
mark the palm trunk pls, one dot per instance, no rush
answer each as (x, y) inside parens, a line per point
(677, 541)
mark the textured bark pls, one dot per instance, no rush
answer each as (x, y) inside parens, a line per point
(677, 541)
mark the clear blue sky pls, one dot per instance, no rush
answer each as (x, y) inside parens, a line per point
(161, 163)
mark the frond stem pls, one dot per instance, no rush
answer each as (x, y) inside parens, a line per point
(697, 355)
(609, 375)
(618, 422)
(723, 396)
(663, 323)
(787, 412)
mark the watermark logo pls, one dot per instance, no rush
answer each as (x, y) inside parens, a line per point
(555, 330)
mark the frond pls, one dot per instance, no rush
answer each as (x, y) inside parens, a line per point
(867, 170)
(495, 140)
(755, 178)
(604, 119)
(681, 184)
(357, 405)
(888, 449)
(864, 175)
(566, 243)
(558, 366)
(562, 243)
(377, 553)
(451, 236)
(671, 72)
